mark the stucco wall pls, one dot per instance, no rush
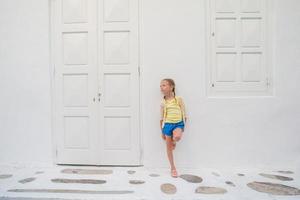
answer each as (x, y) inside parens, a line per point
(25, 121)
(246, 131)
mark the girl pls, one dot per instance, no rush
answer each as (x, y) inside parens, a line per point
(173, 119)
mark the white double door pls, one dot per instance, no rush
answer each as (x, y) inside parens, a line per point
(95, 81)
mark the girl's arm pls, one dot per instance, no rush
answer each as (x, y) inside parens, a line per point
(182, 105)
(161, 122)
(161, 114)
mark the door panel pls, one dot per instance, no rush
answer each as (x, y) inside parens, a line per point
(119, 82)
(75, 78)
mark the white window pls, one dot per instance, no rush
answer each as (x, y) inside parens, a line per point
(238, 48)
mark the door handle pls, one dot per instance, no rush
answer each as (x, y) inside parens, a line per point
(99, 95)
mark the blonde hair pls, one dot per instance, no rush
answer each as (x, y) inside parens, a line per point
(171, 82)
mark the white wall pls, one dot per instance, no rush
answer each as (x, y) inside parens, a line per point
(254, 131)
(25, 125)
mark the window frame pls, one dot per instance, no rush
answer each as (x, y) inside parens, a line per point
(269, 51)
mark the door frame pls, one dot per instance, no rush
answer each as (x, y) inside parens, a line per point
(54, 136)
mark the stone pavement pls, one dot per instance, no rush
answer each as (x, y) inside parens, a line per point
(94, 182)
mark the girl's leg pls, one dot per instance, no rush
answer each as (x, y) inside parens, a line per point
(169, 143)
(177, 134)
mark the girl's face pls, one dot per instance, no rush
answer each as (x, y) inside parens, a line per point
(165, 87)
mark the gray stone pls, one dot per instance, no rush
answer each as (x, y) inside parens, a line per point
(29, 198)
(81, 181)
(86, 171)
(282, 178)
(285, 172)
(27, 180)
(241, 174)
(130, 171)
(191, 178)
(72, 191)
(273, 188)
(215, 173)
(154, 175)
(136, 182)
(230, 183)
(4, 176)
(39, 172)
(168, 188)
(210, 190)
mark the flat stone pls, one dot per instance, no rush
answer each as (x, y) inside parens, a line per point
(191, 178)
(4, 176)
(29, 198)
(39, 172)
(168, 188)
(27, 180)
(285, 172)
(72, 191)
(282, 178)
(215, 173)
(86, 171)
(81, 181)
(210, 190)
(230, 183)
(273, 188)
(130, 171)
(240, 174)
(136, 182)
(154, 175)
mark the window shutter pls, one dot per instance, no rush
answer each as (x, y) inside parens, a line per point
(238, 47)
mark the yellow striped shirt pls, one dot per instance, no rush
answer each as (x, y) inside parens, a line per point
(173, 111)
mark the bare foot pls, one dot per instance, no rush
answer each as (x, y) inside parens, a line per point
(174, 173)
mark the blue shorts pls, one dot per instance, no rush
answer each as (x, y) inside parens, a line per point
(170, 127)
